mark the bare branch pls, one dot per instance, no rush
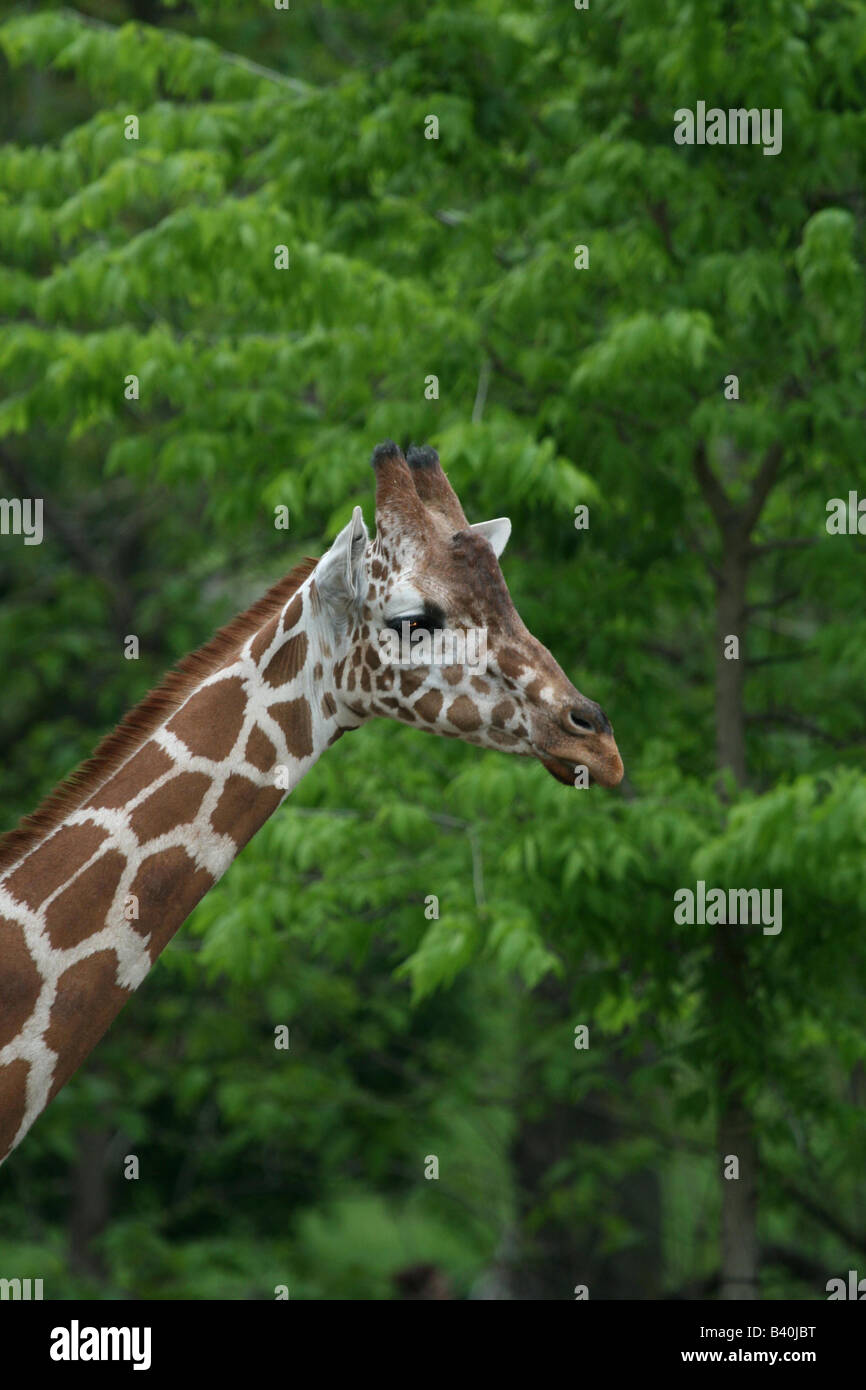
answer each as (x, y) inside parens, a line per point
(855, 1239)
(789, 543)
(694, 542)
(481, 392)
(713, 493)
(773, 602)
(775, 660)
(764, 480)
(795, 721)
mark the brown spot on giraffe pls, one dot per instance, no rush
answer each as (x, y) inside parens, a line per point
(46, 868)
(453, 674)
(175, 803)
(429, 705)
(211, 720)
(318, 671)
(243, 808)
(502, 712)
(263, 639)
(293, 613)
(329, 705)
(168, 885)
(260, 751)
(13, 1101)
(295, 720)
(142, 769)
(87, 1000)
(69, 919)
(20, 983)
(411, 680)
(463, 714)
(288, 661)
(510, 662)
(481, 685)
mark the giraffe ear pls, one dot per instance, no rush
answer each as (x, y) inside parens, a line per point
(496, 532)
(338, 570)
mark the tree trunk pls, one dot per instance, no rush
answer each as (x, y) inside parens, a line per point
(89, 1214)
(735, 1134)
(739, 1203)
(734, 1137)
(730, 674)
(551, 1254)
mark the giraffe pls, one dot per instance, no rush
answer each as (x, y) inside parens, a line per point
(98, 879)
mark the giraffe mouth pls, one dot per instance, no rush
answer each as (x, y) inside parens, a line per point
(563, 769)
(603, 771)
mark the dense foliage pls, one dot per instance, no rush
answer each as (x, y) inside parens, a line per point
(454, 258)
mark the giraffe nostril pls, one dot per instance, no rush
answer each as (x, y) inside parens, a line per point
(590, 719)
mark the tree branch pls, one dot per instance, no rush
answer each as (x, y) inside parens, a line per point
(828, 1219)
(714, 494)
(764, 480)
(775, 660)
(773, 602)
(280, 79)
(795, 721)
(789, 543)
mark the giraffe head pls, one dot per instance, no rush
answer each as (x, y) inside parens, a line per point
(424, 630)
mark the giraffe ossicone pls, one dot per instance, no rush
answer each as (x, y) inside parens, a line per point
(169, 799)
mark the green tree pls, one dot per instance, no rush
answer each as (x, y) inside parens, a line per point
(156, 258)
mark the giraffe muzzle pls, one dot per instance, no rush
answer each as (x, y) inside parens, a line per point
(601, 759)
(588, 742)
(579, 736)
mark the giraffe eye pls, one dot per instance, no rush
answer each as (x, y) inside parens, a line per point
(418, 622)
(415, 622)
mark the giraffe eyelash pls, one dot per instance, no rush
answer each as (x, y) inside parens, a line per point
(428, 621)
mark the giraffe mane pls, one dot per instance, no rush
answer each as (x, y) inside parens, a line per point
(147, 716)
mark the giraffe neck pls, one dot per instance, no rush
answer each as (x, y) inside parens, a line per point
(86, 910)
